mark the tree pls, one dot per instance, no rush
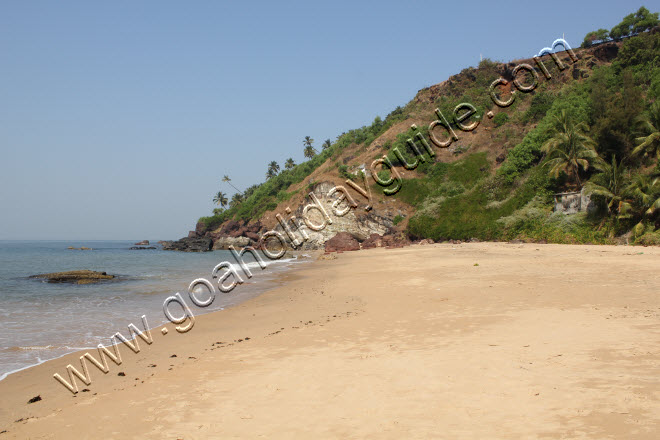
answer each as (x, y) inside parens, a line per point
(226, 178)
(289, 164)
(309, 150)
(614, 109)
(273, 169)
(250, 190)
(632, 24)
(595, 37)
(220, 199)
(569, 148)
(326, 144)
(649, 128)
(236, 199)
(611, 185)
(645, 191)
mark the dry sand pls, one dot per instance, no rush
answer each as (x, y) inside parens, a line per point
(537, 341)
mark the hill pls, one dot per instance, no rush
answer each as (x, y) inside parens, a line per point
(571, 158)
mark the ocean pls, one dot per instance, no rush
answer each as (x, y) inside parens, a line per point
(43, 321)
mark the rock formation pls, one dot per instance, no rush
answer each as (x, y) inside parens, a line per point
(75, 277)
(200, 244)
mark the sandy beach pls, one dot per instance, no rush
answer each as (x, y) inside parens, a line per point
(477, 340)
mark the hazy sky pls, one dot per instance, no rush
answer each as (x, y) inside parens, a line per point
(118, 119)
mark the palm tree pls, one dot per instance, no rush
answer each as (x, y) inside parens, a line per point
(226, 178)
(611, 184)
(273, 169)
(649, 129)
(289, 164)
(646, 191)
(309, 150)
(220, 199)
(326, 144)
(569, 148)
(236, 200)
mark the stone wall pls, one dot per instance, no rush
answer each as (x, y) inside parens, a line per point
(574, 202)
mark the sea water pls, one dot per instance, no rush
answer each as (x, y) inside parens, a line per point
(42, 321)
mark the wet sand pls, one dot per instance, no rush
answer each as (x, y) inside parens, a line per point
(479, 340)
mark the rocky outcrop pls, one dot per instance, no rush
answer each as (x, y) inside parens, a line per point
(342, 241)
(236, 242)
(142, 243)
(140, 248)
(357, 222)
(373, 241)
(198, 244)
(606, 52)
(75, 277)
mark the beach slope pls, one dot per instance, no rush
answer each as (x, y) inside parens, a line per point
(478, 340)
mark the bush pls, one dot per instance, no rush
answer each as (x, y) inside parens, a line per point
(649, 239)
(500, 119)
(541, 103)
(397, 219)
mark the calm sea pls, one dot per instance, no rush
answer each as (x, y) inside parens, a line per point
(42, 321)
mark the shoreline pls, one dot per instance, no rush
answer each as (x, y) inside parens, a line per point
(270, 281)
(468, 340)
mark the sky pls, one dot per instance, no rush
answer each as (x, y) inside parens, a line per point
(119, 119)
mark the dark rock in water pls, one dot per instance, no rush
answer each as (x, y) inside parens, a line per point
(188, 244)
(139, 248)
(75, 277)
(142, 243)
(343, 241)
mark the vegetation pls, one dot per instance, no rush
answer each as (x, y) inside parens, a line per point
(569, 149)
(289, 164)
(599, 132)
(309, 151)
(220, 199)
(226, 178)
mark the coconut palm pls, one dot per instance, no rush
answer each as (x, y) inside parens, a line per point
(273, 169)
(289, 164)
(569, 149)
(309, 150)
(646, 191)
(236, 199)
(649, 128)
(611, 184)
(226, 178)
(220, 199)
(326, 144)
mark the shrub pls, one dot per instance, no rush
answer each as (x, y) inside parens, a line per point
(649, 239)
(397, 219)
(500, 119)
(539, 106)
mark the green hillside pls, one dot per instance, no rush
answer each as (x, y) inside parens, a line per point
(594, 125)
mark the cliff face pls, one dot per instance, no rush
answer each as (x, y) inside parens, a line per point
(357, 222)
(321, 212)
